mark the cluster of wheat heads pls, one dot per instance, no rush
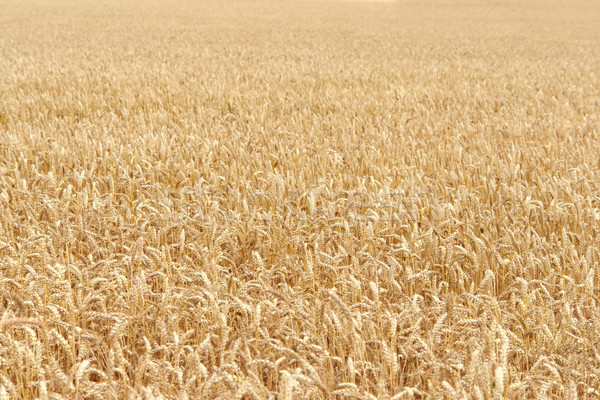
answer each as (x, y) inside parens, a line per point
(258, 217)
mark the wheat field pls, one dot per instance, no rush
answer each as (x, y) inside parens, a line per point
(299, 200)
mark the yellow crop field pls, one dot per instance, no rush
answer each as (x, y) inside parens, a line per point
(244, 199)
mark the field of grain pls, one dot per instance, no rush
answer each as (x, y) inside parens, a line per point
(289, 200)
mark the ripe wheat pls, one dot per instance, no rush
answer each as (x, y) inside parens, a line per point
(266, 213)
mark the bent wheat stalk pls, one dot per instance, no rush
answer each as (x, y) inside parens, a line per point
(20, 321)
